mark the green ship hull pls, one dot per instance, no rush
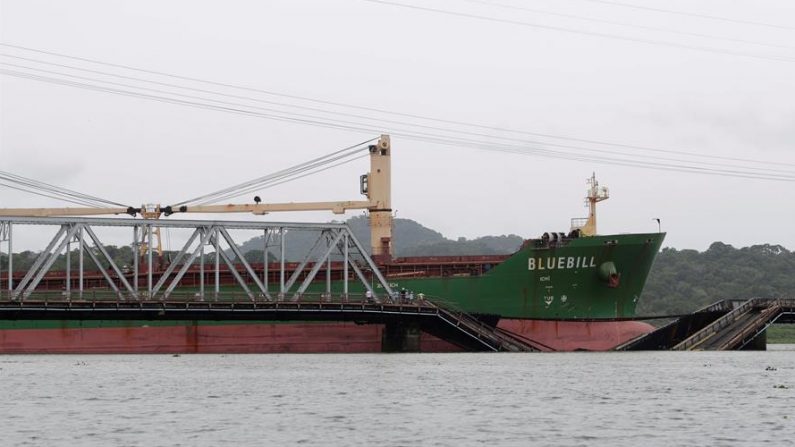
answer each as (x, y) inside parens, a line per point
(598, 277)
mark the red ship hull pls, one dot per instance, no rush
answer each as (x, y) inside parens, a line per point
(291, 338)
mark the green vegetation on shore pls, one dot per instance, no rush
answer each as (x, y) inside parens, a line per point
(781, 333)
(685, 280)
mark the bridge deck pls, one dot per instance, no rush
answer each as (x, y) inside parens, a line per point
(725, 325)
(451, 325)
(739, 327)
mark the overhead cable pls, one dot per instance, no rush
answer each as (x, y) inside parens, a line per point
(583, 32)
(440, 139)
(369, 118)
(692, 14)
(383, 111)
(61, 192)
(627, 24)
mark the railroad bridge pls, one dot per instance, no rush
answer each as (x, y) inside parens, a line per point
(140, 293)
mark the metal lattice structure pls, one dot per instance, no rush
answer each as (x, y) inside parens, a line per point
(333, 241)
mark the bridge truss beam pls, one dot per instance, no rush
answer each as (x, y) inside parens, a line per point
(334, 241)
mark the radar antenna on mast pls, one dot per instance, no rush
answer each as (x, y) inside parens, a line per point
(587, 226)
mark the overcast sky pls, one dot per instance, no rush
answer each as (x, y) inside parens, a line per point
(548, 74)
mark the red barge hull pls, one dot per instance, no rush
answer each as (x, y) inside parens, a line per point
(290, 338)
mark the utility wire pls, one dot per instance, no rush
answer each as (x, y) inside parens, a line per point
(369, 118)
(43, 194)
(440, 139)
(582, 32)
(388, 112)
(691, 14)
(178, 101)
(626, 24)
(39, 185)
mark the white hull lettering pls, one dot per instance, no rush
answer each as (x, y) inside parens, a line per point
(561, 263)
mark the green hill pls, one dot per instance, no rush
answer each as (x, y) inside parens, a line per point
(409, 239)
(685, 280)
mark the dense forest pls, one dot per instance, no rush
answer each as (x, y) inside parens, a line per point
(680, 280)
(685, 280)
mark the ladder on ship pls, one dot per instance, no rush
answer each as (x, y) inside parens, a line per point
(740, 327)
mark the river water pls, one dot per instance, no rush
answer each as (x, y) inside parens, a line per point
(616, 399)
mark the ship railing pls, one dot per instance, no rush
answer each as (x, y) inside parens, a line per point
(578, 223)
(190, 296)
(311, 303)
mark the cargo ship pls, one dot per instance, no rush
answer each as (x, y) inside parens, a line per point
(563, 291)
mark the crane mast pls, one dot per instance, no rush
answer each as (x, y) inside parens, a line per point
(375, 185)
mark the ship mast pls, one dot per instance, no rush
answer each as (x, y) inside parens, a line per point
(595, 195)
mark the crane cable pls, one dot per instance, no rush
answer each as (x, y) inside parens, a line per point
(283, 175)
(46, 189)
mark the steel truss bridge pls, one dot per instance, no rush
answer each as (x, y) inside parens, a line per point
(332, 241)
(288, 300)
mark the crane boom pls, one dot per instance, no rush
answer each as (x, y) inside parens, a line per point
(265, 208)
(376, 185)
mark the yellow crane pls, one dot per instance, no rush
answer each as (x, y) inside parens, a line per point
(375, 185)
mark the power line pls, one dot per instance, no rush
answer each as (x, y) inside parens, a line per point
(435, 128)
(369, 118)
(369, 109)
(428, 137)
(477, 134)
(691, 14)
(582, 32)
(451, 141)
(85, 199)
(630, 25)
(43, 194)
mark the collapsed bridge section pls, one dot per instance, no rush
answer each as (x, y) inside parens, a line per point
(723, 326)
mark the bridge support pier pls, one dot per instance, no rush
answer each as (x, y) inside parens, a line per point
(758, 343)
(401, 337)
